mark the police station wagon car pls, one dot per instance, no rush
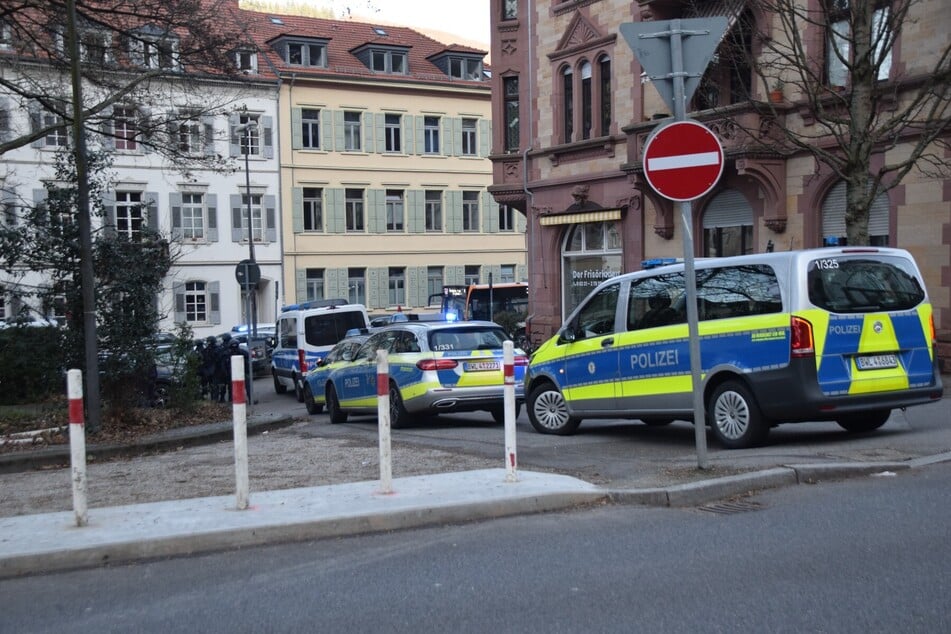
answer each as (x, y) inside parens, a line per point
(841, 334)
(434, 367)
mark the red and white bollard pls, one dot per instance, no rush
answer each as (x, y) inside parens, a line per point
(239, 410)
(383, 414)
(77, 444)
(508, 402)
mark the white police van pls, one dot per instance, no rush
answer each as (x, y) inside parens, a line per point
(840, 334)
(305, 333)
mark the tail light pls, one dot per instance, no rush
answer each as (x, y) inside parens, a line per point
(302, 360)
(934, 336)
(803, 344)
(427, 365)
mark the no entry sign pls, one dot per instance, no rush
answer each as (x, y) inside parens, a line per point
(683, 160)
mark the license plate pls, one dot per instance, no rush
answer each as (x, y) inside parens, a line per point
(876, 362)
(481, 366)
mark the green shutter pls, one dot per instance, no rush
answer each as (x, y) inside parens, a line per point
(297, 209)
(300, 281)
(297, 136)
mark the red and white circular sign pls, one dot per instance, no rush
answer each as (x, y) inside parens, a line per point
(683, 160)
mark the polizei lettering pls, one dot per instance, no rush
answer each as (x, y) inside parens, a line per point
(655, 359)
(851, 329)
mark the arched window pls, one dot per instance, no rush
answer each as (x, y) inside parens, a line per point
(604, 89)
(591, 254)
(567, 103)
(728, 225)
(833, 218)
(585, 100)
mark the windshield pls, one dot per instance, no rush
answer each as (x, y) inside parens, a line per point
(454, 339)
(860, 284)
(504, 299)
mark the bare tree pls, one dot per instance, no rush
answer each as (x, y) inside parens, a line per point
(137, 57)
(834, 61)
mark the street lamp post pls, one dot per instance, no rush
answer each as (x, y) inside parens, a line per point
(247, 129)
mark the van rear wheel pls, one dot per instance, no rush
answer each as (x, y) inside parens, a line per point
(548, 411)
(735, 417)
(864, 421)
(279, 387)
(298, 390)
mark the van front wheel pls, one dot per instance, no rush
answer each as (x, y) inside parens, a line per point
(735, 417)
(548, 411)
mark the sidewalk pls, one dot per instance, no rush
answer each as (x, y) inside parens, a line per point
(49, 542)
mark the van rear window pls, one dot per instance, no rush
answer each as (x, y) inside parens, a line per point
(327, 329)
(860, 284)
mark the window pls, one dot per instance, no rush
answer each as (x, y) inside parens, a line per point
(187, 133)
(385, 61)
(467, 68)
(314, 285)
(511, 106)
(586, 100)
(6, 41)
(471, 275)
(196, 302)
(354, 209)
(94, 46)
(124, 126)
(55, 137)
(394, 210)
(393, 133)
(597, 317)
(313, 209)
(591, 254)
(470, 211)
(506, 218)
(507, 274)
(431, 135)
(248, 134)
(310, 128)
(356, 286)
(352, 131)
(568, 102)
(305, 54)
(247, 61)
(193, 216)
(129, 215)
(839, 41)
(154, 50)
(433, 210)
(604, 67)
(257, 217)
(469, 147)
(397, 286)
(434, 281)
(509, 9)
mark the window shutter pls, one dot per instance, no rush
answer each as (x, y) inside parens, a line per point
(416, 208)
(490, 213)
(214, 299)
(376, 211)
(367, 125)
(109, 213)
(493, 270)
(455, 275)
(268, 136)
(36, 122)
(334, 211)
(297, 135)
(521, 273)
(420, 147)
(6, 113)
(270, 218)
(326, 130)
(485, 137)
(456, 137)
(728, 209)
(8, 210)
(339, 144)
(208, 134)
(234, 146)
(236, 233)
(380, 128)
(212, 201)
(178, 290)
(454, 211)
(446, 140)
(336, 283)
(144, 125)
(373, 289)
(300, 285)
(297, 209)
(175, 204)
(151, 210)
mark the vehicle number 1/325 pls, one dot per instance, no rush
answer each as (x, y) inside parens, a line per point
(827, 263)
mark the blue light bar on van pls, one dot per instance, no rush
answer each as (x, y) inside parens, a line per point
(315, 303)
(653, 263)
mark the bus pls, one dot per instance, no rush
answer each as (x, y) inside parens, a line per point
(506, 304)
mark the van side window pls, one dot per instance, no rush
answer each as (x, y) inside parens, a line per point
(737, 291)
(597, 317)
(287, 334)
(656, 301)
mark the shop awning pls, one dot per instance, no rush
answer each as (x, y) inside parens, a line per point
(587, 216)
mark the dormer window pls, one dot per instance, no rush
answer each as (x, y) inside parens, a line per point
(95, 46)
(6, 35)
(301, 53)
(154, 48)
(467, 68)
(390, 59)
(246, 61)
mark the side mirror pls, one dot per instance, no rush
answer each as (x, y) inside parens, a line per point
(567, 334)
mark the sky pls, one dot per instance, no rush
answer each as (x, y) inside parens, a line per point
(469, 19)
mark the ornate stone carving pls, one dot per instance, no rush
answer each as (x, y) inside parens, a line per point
(509, 47)
(776, 225)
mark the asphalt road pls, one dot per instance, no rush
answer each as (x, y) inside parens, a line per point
(865, 555)
(628, 454)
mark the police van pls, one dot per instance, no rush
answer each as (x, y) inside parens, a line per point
(304, 333)
(835, 334)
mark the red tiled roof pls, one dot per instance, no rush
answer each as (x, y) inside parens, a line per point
(343, 37)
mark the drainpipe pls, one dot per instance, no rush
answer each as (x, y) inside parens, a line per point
(530, 196)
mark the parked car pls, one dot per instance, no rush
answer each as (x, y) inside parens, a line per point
(260, 352)
(434, 367)
(314, 395)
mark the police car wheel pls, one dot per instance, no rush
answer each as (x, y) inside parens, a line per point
(548, 411)
(312, 407)
(399, 417)
(864, 421)
(735, 417)
(279, 387)
(333, 407)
